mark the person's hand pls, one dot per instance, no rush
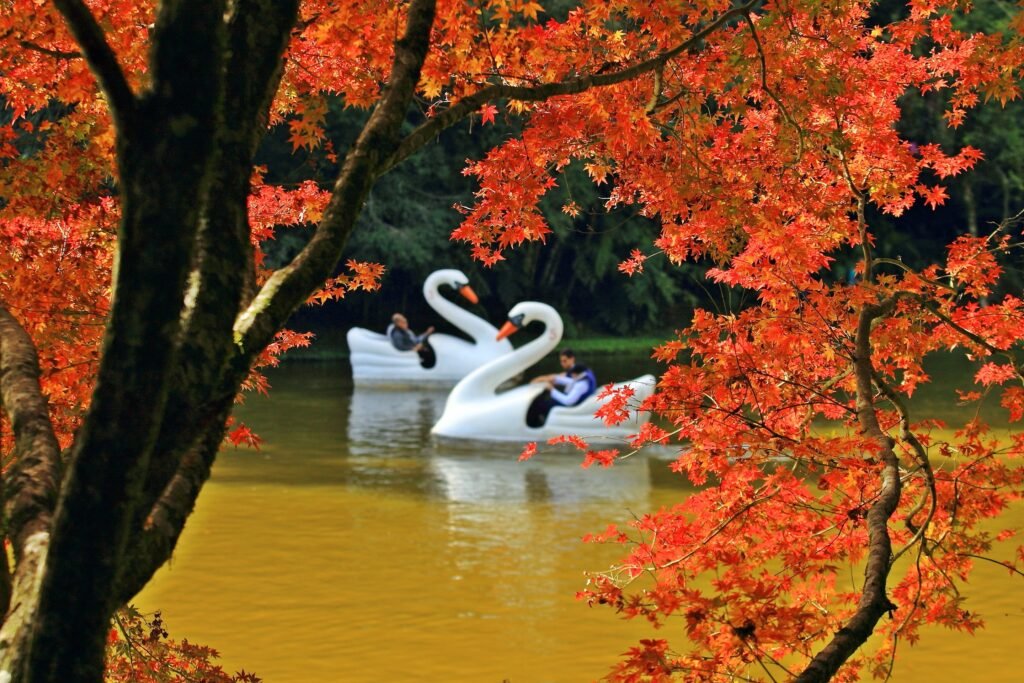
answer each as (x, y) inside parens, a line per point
(418, 347)
(430, 330)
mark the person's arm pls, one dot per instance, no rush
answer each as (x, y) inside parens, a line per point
(562, 381)
(572, 396)
(420, 338)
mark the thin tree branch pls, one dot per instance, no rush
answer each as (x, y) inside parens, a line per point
(59, 54)
(1004, 565)
(471, 103)
(771, 93)
(101, 59)
(291, 285)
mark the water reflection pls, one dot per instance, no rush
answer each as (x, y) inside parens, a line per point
(382, 421)
(388, 424)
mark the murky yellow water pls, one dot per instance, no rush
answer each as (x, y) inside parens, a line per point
(354, 548)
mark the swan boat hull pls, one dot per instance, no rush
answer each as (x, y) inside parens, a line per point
(503, 417)
(376, 362)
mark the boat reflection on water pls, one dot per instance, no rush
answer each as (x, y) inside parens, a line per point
(390, 424)
(554, 478)
(383, 422)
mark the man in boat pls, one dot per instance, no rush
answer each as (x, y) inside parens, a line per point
(404, 339)
(568, 388)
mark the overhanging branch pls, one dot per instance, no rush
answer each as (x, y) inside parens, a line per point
(101, 59)
(291, 285)
(471, 103)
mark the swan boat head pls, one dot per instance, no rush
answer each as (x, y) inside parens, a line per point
(455, 279)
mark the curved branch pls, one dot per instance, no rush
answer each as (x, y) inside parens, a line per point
(290, 286)
(101, 59)
(873, 601)
(922, 457)
(469, 104)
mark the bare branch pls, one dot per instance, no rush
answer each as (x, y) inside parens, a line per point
(59, 54)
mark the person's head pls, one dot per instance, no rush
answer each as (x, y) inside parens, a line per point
(399, 320)
(567, 359)
(577, 369)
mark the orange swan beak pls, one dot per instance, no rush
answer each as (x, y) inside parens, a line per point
(469, 294)
(508, 329)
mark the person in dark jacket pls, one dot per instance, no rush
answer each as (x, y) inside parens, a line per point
(404, 339)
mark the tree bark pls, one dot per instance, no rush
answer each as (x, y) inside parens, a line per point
(164, 155)
(31, 488)
(208, 373)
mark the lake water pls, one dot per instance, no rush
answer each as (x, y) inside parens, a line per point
(353, 547)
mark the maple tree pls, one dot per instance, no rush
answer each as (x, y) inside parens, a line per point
(134, 301)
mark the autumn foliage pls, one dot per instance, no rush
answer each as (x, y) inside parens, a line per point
(140, 649)
(763, 139)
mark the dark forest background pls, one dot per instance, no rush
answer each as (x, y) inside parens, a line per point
(408, 219)
(410, 214)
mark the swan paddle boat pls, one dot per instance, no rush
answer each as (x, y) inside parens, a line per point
(375, 360)
(476, 410)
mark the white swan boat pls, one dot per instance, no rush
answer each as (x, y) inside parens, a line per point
(375, 360)
(475, 409)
